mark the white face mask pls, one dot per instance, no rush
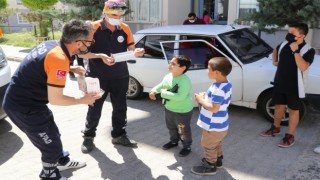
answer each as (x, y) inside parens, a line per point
(114, 22)
(192, 21)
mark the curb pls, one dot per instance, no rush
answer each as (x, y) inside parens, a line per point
(17, 59)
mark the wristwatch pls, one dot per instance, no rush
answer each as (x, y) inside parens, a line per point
(296, 51)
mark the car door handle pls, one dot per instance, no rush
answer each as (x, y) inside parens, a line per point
(132, 61)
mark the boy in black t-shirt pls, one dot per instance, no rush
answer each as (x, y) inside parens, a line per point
(290, 57)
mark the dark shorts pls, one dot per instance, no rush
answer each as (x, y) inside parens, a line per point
(291, 100)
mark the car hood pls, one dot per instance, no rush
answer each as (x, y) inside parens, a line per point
(263, 64)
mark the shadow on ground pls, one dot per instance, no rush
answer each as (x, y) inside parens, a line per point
(10, 143)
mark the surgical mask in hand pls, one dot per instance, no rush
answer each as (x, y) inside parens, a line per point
(290, 38)
(114, 22)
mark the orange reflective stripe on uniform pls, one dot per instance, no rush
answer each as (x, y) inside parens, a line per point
(56, 66)
(127, 30)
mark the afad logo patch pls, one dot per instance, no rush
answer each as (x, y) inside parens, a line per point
(61, 74)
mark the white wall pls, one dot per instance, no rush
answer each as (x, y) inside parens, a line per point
(176, 10)
(233, 11)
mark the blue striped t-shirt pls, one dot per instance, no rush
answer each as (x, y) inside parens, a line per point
(218, 93)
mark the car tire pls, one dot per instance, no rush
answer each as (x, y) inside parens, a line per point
(266, 107)
(134, 89)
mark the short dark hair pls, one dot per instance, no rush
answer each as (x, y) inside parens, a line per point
(221, 64)
(302, 27)
(192, 14)
(75, 30)
(183, 61)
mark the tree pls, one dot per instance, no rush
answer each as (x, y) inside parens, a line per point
(86, 9)
(42, 19)
(275, 14)
(41, 16)
(39, 4)
(4, 15)
(3, 4)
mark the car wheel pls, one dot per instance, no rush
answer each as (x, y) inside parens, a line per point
(134, 89)
(267, 108)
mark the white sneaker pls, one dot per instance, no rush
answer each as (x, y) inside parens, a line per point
(71, 165)
(317, 149)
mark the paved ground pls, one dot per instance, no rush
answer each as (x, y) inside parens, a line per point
(247, 155)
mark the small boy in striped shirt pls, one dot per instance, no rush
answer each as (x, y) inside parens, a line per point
(213, 118)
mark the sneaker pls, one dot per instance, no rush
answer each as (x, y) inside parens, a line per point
(61, 178)
(72, 164)
(169, 145)
(287, 141)
(53, 175)
(87, 144)
(124, 141)
(271, 132)
(218, 163)
(205, 169)
(317, 150)
(184, 152)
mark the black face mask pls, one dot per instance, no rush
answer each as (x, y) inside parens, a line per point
(290, 38)
(86, 51)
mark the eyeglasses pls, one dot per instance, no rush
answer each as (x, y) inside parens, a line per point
(119, 5)
(91, 42)
(120, 8)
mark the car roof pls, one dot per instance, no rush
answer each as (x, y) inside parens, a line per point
(191, 29)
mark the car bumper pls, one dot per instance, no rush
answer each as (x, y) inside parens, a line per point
(314, 101)
(2, 92)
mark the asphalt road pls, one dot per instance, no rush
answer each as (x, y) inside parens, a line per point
(246, 154)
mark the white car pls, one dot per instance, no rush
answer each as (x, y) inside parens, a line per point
(252, 73)
(5, 75)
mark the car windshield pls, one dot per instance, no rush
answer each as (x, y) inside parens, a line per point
(246, 45)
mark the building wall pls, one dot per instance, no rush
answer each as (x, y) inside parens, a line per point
(178, 11)
(171, 13)
(233, 11)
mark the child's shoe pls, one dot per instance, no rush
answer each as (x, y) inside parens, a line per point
(169, 145)
(271, 132)
(205, 170)
(218, 163)
(184, 152)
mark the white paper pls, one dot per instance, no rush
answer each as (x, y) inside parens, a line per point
(123, 56)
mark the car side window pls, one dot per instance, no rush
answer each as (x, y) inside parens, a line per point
(199, 52)
(152, 47)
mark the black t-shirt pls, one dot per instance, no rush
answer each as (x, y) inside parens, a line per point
(286, 78)
(109, 42)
